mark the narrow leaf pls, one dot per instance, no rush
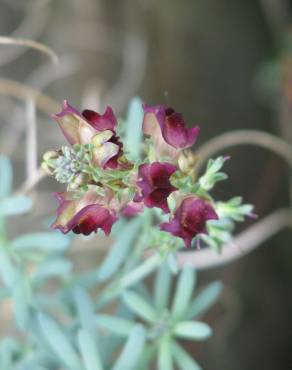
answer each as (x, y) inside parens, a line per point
(54, 268)
(15, 205)
(183, 359)
(50, 241)
(164, 360)
(129, 358)
(89, 352)
(193, 330)
(85, 310)
(205, 299)
(134, 131)
(183, 293)
(5, 176)
(116, 325)
(120, 249)
(162, 287)
(58, 342)
(137, 304)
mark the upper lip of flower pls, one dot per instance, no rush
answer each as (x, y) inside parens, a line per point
(172, 126)
(83, 128)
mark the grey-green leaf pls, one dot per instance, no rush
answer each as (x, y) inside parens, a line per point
(134, 131)
(183, 293)
(89, 351)
(164, 359)
(15, 205)
(183, 359)
(49, 241)
(192, 330)
(116, 325)
(5, 176)
(119, 251)
(131, 353)
(162, 287)
(138, 305)
(58, 342)
(205, 299)
(85, 309)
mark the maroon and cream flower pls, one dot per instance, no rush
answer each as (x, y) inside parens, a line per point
(190, 219)
(168, 130)
(85, 215)
(90, 127)
(154, 182)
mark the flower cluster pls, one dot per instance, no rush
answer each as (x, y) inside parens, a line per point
(102, 183)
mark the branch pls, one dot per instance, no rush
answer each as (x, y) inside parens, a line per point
(242, 244)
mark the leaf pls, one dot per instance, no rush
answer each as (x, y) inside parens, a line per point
(54, 268)
(137, 304)
(85, 310)
(89, 352)
(162, 287)
(120, 249)
(192, 330)
(48, 241)
(183, 293)
(164, 360)
(183, 359)
(132, 350)
(6, 176)
(134, 130)
(58, 342)
(205, 299)
(116, 325)
(6, 268)
(22, 296)
(15, 205)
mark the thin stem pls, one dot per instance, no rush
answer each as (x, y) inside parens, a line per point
(245, 137)
(242, 244)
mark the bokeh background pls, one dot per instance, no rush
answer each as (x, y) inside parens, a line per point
(226, 65)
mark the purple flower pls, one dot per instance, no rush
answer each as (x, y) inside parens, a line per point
(92, 128)
(155, 184)
(168, 130)
(190, 219)
(84, 215)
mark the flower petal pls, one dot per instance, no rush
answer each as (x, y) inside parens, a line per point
(101, 122)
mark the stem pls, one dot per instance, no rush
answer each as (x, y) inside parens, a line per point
(245, 137)
(244, 243)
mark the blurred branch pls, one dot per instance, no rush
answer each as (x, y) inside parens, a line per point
(31, 140)
(245, 137)
(18, 90)
(242, 244)
(30, 183)
(4, 40)
(31, 27)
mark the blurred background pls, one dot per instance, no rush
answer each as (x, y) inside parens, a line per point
(226, 65)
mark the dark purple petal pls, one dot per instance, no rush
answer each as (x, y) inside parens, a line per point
(190, 219)
(172, 126)
(155, 184)
(80, 217)
(101, 122)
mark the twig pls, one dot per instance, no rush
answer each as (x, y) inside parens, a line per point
(5, 40)
(244, 243)
(30, 183)
(31, 140)
(245, 137)
(21, 91)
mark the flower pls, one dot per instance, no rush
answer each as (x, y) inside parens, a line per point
(168, 130)
(86, 214)
(155, 184)
(90, 127)
(190, 219)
